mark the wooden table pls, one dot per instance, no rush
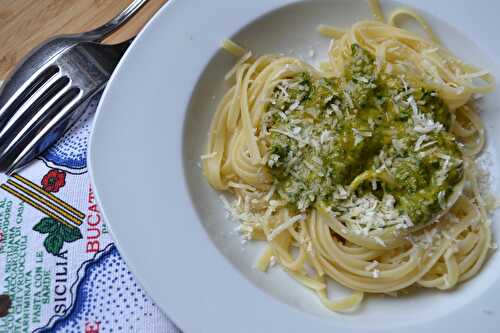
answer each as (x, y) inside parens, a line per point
(26, 23)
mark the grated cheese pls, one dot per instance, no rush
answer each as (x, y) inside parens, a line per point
(208, 156)
(371, 265)
(441, 201)
(422, 123)
(324, 137)
(421, 139)
(282, 227)
(379, 240)
(273, 261)
(399, 145)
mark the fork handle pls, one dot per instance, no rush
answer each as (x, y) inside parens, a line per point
(98, 34)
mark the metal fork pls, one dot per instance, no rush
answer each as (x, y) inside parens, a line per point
(51, 88)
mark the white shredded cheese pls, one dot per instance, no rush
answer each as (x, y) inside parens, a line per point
(208, 156)
(441, 201)
(273, 261)
(379, 240)
(324, 137)
(371, 265)
(399, 145)
(419, 141)
(285, 225)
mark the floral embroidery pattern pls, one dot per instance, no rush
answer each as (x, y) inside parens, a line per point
(54, 180)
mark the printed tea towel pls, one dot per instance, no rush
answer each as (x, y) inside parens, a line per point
(59, 268)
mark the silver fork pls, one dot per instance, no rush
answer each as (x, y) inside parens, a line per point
(51, 88)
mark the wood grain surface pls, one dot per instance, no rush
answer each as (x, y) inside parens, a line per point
(26, 23)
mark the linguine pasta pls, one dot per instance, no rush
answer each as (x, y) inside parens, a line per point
(312, 239)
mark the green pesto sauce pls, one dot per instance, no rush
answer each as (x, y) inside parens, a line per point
(325, 132)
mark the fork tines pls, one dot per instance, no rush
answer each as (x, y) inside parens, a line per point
(26, 113)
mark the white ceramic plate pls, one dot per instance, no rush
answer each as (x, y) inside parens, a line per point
(169, 225)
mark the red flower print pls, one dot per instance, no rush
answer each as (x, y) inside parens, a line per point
(54, 180)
